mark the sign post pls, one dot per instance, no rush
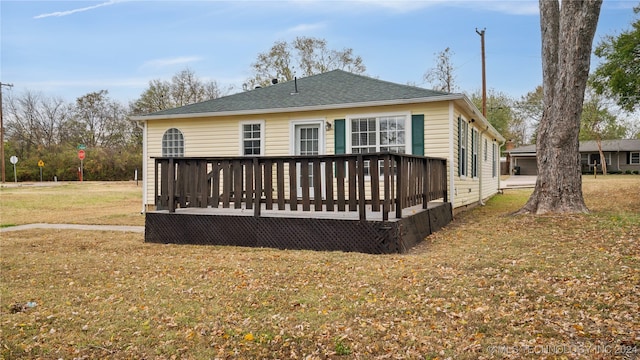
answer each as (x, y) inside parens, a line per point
(14, 160)
(40, 165)
(81, 156)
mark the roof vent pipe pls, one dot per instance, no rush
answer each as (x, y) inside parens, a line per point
(274, 81)
(295, 81)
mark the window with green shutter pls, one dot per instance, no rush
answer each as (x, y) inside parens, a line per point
(339, 136)
(417, 134)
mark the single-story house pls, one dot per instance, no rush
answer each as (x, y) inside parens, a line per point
(621, 155)
(318, 122)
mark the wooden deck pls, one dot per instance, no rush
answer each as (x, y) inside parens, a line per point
(337, 203)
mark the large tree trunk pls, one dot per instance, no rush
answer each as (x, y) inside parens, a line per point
(567, 39)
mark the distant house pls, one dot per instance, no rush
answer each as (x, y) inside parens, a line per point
(333, 144)
(620, 155)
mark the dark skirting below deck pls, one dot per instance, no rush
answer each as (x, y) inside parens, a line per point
(323, 234)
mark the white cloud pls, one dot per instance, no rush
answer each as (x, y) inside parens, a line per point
(70, 12)
(160, 63)
(302, 28)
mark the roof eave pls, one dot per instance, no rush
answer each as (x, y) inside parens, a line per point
(448, 97)
(483, 121)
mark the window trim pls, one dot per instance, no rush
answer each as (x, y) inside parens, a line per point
(584, 158)
(241, 135)
(408, 139)
(607, 157)
(474, 152)
(631, 162)
(494, 169)
(321, 134)
(463, 159)
(162, 147)
(486, 148)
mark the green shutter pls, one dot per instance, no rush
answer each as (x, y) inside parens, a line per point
(339, 136)
(459, 146)
(417, 134)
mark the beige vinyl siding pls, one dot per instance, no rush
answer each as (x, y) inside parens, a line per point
(466, 188)
(489, 183)
(436, 130)
(220, 136)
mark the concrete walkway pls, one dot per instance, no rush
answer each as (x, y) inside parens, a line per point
(138, 229)
(518, 182)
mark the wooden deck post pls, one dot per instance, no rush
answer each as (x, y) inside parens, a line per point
(400, 181)
(386, 202)
(328, 169)
(171, 182)
(426, 165)
(444, 179)
(157, 173)
(362, 196)
(257, 194)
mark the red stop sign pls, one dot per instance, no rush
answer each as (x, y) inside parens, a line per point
(81, 154)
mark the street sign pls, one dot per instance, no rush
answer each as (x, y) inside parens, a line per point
(82, 147)
(14, 161)
(40, 163)
(81, 154)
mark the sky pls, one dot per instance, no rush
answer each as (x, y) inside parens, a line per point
(67, 49)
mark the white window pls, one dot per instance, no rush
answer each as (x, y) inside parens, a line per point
(379, 134)
(463, 138)
(474, 153)
(595, 158)
(584, 159)
(172, 143)
(495, 160)
(634, 158)
(252, 138)
(486, 149)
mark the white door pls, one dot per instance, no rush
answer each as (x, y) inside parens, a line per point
(307, 143)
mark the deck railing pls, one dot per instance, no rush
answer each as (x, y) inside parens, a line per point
(352, 182)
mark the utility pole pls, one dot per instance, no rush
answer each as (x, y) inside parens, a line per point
(2, 129)
(484, 74)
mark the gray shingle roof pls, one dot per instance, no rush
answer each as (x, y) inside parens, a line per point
(611, 145)
(590, 146)
(523, 149)
(335, 87)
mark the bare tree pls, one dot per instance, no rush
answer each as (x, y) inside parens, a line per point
(442, 77)
(567, 40)
(304, 56)
(184, 88)
(35, 120)
(99, 121)
(529, 108)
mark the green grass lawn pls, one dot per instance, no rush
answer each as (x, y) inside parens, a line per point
(487, 286)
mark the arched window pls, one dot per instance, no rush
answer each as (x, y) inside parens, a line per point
(172, 143)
